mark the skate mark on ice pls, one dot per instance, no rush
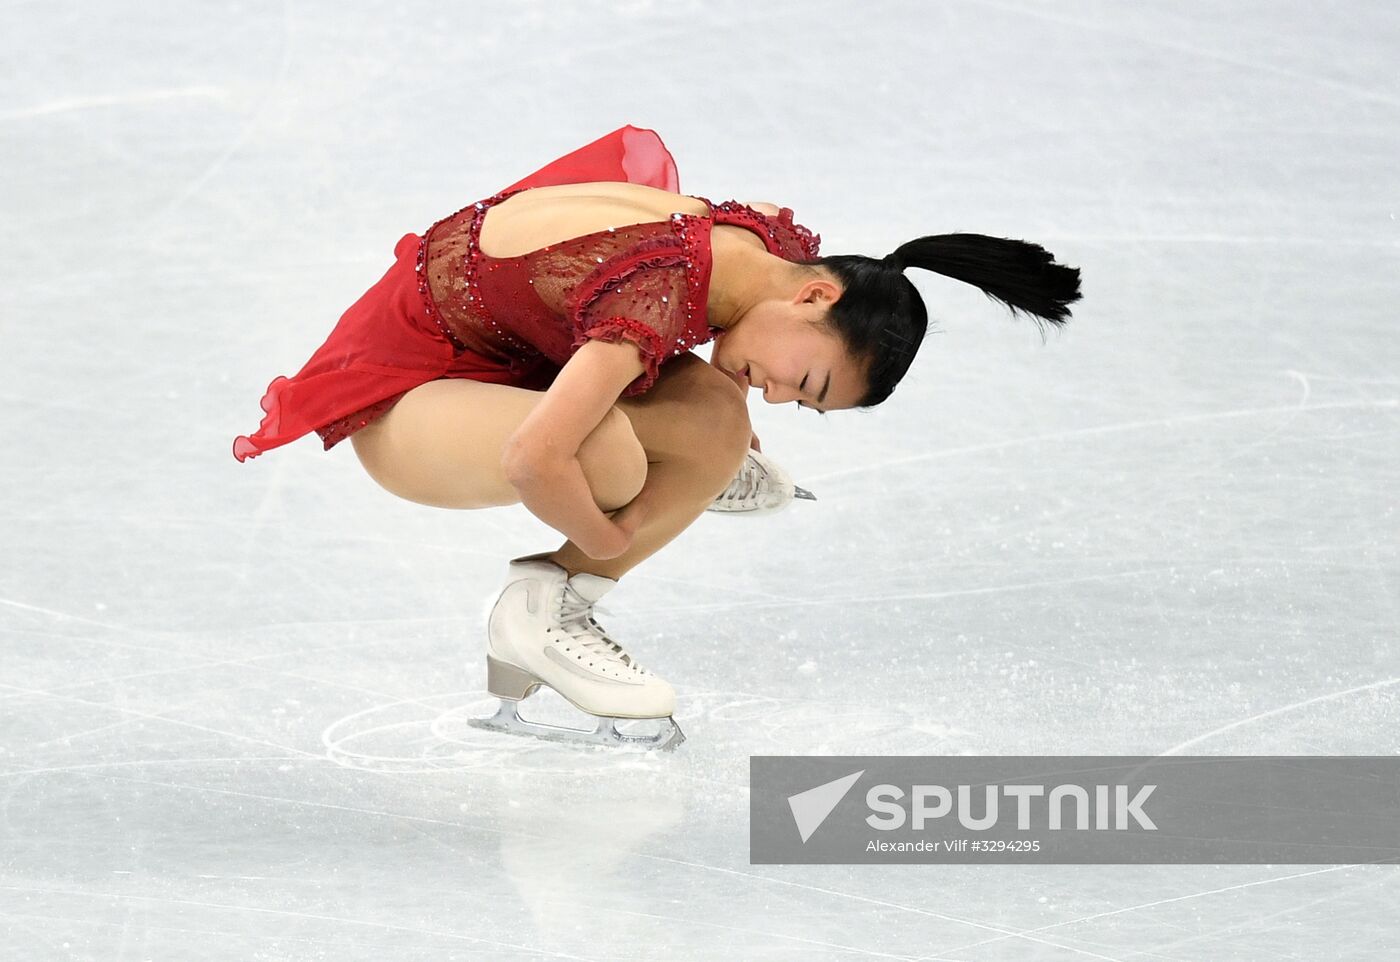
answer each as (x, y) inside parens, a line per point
(822, 726)
(1146, 905)
(1002, 931)
(1381, 403)
(292, 914)
(218, 94)
(868, 598)
(432, 734)
(133, 713)
(712, 585)
(1200, 51)
(1331, 696)
(251, 661)
(768, 934)
(86, 767)
(403, 736)
(68, 616)
(517, 832)
(1148, 237)
(269, 100)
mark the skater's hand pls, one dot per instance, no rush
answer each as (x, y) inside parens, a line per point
(753, 443)
(626, 521)
(540, 459)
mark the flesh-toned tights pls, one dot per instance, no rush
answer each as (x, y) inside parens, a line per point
(685, 439)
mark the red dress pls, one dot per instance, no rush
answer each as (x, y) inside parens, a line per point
(444, 309)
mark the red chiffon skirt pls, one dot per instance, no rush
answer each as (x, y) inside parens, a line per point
(388, 343)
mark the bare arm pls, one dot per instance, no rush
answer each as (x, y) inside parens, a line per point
(541, 457)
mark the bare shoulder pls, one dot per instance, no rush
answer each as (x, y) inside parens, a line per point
(763, 207)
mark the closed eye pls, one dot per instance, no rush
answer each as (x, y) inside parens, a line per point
(803, 386)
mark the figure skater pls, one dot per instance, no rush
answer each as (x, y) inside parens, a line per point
(535, 347)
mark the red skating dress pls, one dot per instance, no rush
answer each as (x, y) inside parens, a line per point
(444, 309)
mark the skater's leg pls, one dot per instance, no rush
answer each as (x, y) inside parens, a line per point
(441, 445)
(694, 425)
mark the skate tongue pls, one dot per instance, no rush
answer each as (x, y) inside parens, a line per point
(584, 589)
(592, 587)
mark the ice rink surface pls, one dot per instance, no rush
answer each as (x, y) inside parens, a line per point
(234, 695)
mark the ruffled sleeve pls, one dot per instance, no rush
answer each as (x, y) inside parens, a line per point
(642, 299)
(798, 243)
(784, 236)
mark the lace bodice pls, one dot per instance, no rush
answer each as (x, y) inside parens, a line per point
(646, 283)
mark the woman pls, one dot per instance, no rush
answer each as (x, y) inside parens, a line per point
(534, 347)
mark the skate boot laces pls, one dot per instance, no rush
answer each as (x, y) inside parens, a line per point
(749, 482)
(576, 618)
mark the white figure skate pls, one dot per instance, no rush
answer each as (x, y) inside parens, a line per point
(760, 487)
(541, 631)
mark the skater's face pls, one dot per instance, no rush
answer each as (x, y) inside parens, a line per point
(783, 348)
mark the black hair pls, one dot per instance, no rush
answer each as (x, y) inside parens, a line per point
(882, 318)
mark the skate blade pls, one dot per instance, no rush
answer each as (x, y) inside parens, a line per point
(797, 493)
(507, 719)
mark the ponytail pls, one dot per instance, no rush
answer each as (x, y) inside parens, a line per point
(1020, 275)
(883, 320)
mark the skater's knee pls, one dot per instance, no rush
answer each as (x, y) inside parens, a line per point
(613, 461)
(725, 426)
(694, 414)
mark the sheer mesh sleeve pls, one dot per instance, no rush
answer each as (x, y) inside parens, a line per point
(645, 305)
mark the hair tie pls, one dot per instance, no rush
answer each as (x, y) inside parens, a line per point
(894, 260)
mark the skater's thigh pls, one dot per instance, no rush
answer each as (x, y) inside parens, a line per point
(441, 445)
